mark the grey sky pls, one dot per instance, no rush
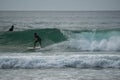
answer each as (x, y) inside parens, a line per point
(59, 4)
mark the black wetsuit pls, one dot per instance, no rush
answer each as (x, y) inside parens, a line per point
(37, 39)
(11, 29)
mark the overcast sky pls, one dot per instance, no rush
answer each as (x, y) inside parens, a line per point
(60, 5)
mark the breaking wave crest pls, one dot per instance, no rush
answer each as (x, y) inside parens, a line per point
(73, 61)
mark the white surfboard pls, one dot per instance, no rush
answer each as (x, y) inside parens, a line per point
(31, 48)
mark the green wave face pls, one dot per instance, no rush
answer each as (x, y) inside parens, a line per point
(26, 38)
(48, 36)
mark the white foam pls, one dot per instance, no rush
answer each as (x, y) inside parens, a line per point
(74, 61)
(111, 44)
(93, 41)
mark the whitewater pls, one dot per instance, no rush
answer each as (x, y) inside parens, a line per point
(76, 45)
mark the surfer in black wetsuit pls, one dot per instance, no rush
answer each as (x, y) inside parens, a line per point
(12, 27)
(37, 39)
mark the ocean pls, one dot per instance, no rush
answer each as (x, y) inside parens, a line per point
(76, 45)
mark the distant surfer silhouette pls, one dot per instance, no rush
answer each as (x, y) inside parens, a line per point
(37, 39)
(12, 28)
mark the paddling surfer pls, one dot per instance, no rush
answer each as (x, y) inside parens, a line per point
(37, 39)
(12, 28)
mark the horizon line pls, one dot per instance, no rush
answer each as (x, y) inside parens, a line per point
(59, 10)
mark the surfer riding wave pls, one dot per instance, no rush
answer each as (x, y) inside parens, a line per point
(37, 39)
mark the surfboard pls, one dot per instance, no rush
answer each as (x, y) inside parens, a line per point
(31, 48)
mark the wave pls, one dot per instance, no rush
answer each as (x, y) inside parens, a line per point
(65, 40)
(93, 40)
(49, 36)
(72, 61)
